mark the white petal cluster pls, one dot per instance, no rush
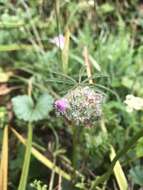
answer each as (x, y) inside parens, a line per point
(84, 105)
(133, 103)
(59, 41)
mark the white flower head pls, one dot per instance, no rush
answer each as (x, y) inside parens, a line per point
(59, 41)
(133, 103)
(81, 105)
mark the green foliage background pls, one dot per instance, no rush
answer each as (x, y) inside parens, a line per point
(112, 31)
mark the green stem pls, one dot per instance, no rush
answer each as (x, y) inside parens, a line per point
(25, 169)
(129, 144)
(52, 177)
(57, 12)
(74, 154)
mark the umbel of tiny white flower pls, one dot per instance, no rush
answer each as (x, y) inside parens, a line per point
(133, 103)
(81, 105)
(59, 41)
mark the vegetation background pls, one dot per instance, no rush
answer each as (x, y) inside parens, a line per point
(35, 72)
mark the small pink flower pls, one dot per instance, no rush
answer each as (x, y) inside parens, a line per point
(59, 41)
(61, 105)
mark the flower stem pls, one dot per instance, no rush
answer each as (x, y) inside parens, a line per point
(51, 184)
(74, 154)
(25, 169)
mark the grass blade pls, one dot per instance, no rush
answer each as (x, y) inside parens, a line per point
(65, 52)
(4, 161)
(42, 158)
(15, 47)
(118, 171)
(10, 25)
(25, 169)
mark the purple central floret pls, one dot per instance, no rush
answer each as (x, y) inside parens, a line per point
(61, 105)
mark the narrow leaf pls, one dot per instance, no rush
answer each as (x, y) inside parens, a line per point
(65, 52)
(25, 169)
(42, 158)
(4, 161)
(118, 171)
(15, 47)
(8, 25)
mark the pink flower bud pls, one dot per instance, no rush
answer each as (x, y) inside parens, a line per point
(61, 105)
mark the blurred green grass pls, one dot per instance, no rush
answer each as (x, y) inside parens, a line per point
(112, 31)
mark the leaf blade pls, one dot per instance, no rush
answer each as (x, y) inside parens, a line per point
(25, 108)
(4, 161)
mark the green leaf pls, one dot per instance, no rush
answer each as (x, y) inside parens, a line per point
(139, 148)
(37, 184)
(10, 21)
(136, 175)
(25, 108)
(106, 8)
(14, 47)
